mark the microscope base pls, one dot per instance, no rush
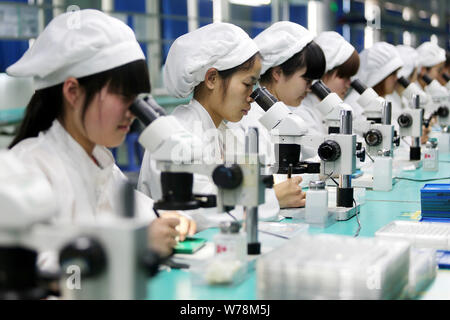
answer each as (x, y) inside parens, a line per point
(340, 213)
(344, 214)
(366, 181)
(402, 163)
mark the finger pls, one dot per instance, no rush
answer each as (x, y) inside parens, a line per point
(192, 227)
(172, 222)
(171, 233)
(183, 228)
(171, 243)
(302, 203)
(297, 179)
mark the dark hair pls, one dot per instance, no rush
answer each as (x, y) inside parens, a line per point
(447, 58)
(46, 105)
(349, 68)
(380, 87)
(311, 57)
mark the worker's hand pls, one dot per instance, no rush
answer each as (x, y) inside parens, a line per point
(425, 132)
(187, 226)
(162, 235)
(290, 194)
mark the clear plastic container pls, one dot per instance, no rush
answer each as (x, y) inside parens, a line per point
(229, 264)
(433, 235)
(431, 156)
(316, 209)
(334, 267)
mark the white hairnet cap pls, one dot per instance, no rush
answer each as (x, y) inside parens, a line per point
(280, 42)
(410, 58)
(77, 44)
(218, 45)
(377, 63)
(336, 49)
(430, 54)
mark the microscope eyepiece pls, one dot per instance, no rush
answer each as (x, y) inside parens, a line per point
(320, 90)
(263, 98)
(446, 76)
(358, 86)
(427, 79)
(403, 82)
(144, 110)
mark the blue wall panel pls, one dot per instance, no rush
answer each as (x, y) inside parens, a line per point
(171, 28)
(299, 14)
(11, 50)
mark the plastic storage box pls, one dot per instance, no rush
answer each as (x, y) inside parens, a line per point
(419, 234)
(334, 267)
(435, 201)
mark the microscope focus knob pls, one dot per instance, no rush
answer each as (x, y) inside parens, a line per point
(361, 154)
(443, 112)
(405, 120)
(373, 137)
(86, 253)
(228, 177)
(329, 151)
(396, 139)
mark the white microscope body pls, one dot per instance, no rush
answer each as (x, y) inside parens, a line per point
(378, 131)
(337, 151)
(439, 101)
(101, 260)
(178, 154)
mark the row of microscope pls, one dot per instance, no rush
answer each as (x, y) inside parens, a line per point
(112, 256)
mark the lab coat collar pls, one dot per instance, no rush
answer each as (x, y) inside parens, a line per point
(206, 119)
(74, 151)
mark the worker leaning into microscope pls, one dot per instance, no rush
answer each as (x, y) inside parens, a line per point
(342, 63)
(378, 69)
(409, 71)
(291, 61)
(220, 64)
(86, 79)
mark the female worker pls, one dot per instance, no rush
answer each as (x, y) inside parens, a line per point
(342, 63)
(431, 61)
(291, 60)
(86, 78)
(219, 64)
(409, 70)
(378, 69)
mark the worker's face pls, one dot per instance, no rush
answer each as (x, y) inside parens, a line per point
(292, 89)
(441, 79)
(108, 118)
(337, 84)
(233, 101)
(414, 76)
(436, 71)
(390, 83)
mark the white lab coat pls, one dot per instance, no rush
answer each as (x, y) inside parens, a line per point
(197, 120)
(312, 116)
(84, 191)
